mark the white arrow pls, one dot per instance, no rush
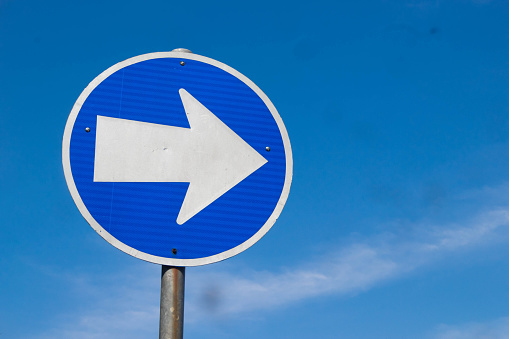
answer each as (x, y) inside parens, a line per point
(209, 155)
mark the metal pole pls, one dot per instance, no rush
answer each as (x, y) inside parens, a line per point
(171, 321)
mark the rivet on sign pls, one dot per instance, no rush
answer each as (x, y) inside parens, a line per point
(174, 251)
(87, 129)
(267, 149)
(182, 63)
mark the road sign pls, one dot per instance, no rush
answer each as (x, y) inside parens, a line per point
(177, 159)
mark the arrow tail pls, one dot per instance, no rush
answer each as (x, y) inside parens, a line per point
(134, 151)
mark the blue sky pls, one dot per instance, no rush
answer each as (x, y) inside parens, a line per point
(397, 224)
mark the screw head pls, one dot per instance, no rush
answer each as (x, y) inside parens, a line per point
(182, 50)
(174, 251)
(182, 63)
(267, 149)
(87, 129)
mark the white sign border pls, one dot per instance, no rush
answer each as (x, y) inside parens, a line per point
(157, 259)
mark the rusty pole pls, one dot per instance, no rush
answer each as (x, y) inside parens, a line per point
(171, 321)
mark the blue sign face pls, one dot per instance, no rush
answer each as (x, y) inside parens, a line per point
(177, 159)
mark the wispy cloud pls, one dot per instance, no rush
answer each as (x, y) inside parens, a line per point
(119, 305)
(126, 304)
(353, 269)
(495, 329)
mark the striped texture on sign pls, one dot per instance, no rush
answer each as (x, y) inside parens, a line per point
(143, 215)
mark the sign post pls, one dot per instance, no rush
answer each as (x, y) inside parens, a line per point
(171, 318)
(179, 160)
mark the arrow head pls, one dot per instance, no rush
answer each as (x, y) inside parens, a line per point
(223, 159)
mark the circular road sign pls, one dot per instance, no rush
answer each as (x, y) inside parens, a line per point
(177, 159)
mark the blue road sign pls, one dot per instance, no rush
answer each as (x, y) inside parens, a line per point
(177, 159)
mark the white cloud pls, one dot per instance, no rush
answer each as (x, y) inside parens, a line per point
(120, 305)
(126, 304)
(495, 329)
(353, 269)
